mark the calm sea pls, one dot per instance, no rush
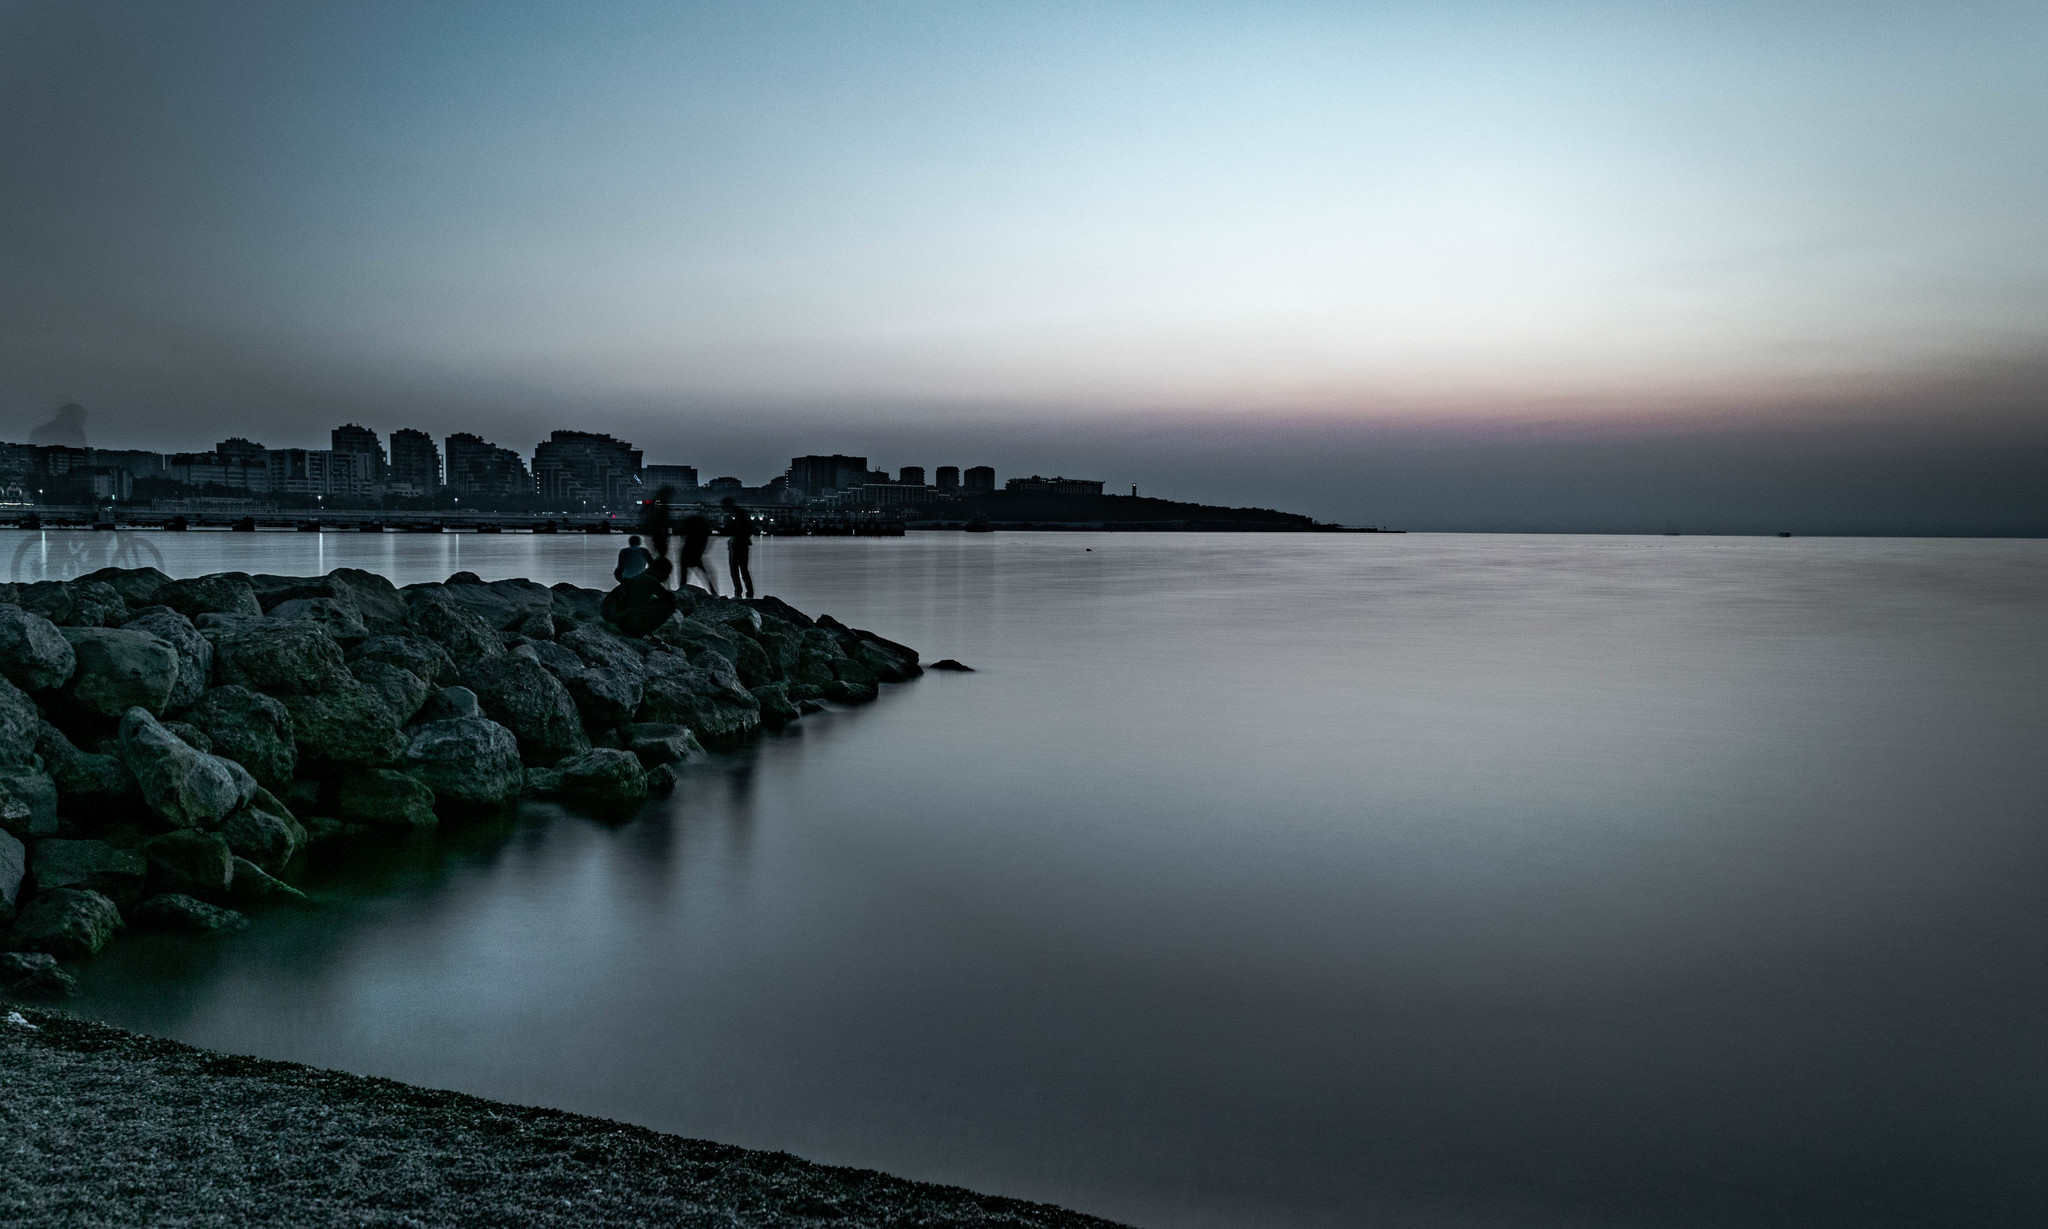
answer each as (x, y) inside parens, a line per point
(1265, 880)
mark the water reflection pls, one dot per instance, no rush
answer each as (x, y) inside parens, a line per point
(1309, 881)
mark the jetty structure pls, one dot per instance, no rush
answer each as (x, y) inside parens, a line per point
(175, 753)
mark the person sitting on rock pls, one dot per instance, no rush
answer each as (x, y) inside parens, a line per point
(634, 560)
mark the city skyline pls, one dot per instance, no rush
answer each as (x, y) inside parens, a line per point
(1454, 266)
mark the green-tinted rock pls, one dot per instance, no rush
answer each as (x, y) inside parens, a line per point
(69, 923)
(176, 911)
(120, 668)
(346, 727)
(117, 874)
(252, 729)
(383, 798)
(183, 786)
(471, 760)
(194, 863)
(34, 655)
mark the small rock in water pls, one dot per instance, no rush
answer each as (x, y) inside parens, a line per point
(33, 973)
(176, 911)
(947, 663)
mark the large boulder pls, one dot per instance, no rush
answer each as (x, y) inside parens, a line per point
(639, 605)
(222, 593)
(74, 603)
(183, 786)
(264, 837)
(176, 911)
(288, 658)
(341, 620)
(424, 658)
(13, 869)
(195, 653)
(602, 776)
(656, 743)
(69, 923)
(19, 722)
(465, 759)
(92, 788)
(194, 863)
(518, 693)
(574, 605)
(350, 726)
(503, 605)
(250, 728)
(120, 668)
(604, 698)
(34, 656)
(707, 698)
(376, 600)
(28, 802)
(400, 689)
(431, 613)
(383, 798)
(117, 874)
(601, 648)
(137, 586)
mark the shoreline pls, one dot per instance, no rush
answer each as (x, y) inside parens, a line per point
(109, 1127)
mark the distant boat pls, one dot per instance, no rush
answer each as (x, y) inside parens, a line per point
(979, 525)
(1784, 533)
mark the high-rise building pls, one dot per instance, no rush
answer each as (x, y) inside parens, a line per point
(911, 475)
(320, 471)
(981, 478)
(415, 463)
(583, 467)
(814, 476)
(477, 467)
(949, 478)
(363, 442)
(680, 480)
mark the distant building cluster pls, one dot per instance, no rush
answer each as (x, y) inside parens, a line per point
(570, 470)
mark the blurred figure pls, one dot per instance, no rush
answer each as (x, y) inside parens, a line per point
(739, 546)
(696, 536)
(654, 523)
(634, 560)
(67, 428)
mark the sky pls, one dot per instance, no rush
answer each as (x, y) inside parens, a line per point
(1737, 266)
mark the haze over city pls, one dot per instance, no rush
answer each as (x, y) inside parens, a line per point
(1736, 266)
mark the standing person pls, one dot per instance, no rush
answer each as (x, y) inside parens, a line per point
(696, 536)
(739, 546)
(634, 560)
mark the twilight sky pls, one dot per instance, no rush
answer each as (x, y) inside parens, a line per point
(1457, 265)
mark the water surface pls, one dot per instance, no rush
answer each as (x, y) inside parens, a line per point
(1268, 880)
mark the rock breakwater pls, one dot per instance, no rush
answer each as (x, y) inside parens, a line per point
(175, 751)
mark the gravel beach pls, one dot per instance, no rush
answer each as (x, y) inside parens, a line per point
(99, 1126)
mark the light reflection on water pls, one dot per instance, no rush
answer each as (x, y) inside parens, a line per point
(1415, 880)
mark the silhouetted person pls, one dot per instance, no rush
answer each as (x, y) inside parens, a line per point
(654, 523)
(634, 560)
(739, 546)
(696, 536)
